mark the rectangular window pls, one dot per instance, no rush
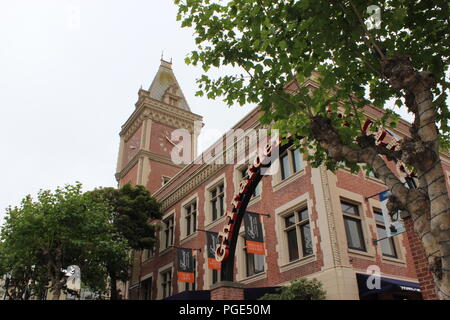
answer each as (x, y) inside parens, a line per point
(146, 290)
(244, 175)
(298, 234)
(217, 202)
(388, 244)
(168, 232)
(190, 218)
(353, 227)
(254, 263)
(285, 167)
(148, 253)
(291, 162)
(166, 283)
(297, 160)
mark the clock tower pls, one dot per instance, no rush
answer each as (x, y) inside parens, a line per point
(146, 137)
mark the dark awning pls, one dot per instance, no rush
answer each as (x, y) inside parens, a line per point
(191, 295)
(387, 285)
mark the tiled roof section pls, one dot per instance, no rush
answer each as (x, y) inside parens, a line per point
(164, 79)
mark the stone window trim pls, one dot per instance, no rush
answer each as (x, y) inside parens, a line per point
(303, 201)
(166, 268)
(241, 261)
(365, 213)
(183, 227)
(162, 238)
(221, 179)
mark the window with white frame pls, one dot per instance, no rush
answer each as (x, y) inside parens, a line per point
(297, 233)
(146, 289)
(217, 197)
(166, 283)
(167, 232)
(148, 253)
(387, 244)
(190, 218)
(290, 162)
(244, 175)
(353, 226)
(254, 263)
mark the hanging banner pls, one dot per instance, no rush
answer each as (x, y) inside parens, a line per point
(212, 241)
(254, 239)
(185, 265)
(392, 227)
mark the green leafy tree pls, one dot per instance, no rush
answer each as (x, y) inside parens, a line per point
(299, 289)
(403, 59)
(60, 228)
(131, 209)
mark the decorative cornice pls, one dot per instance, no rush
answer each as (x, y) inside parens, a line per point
(160, 112)
(199, 177)
(142, 154)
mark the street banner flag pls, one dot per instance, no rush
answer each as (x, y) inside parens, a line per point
(185, 265)
(212, 240)
(254, 239)
(392, 227)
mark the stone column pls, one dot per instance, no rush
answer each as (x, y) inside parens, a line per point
(227, 290)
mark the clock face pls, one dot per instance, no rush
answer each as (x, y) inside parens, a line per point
(164, 140)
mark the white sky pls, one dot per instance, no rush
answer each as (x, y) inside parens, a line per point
(69, 76)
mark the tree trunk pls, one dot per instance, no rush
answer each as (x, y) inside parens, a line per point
(422, 152)
(113, 283)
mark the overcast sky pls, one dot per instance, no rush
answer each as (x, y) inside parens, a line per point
(69, 76)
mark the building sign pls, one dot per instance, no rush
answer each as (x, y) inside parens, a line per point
(185, 265)
(254, 239)
(212, 241)
(230, 233)
(392, 227)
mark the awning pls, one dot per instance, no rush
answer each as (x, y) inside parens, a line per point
(386, 285)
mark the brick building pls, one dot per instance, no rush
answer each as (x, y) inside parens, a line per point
(319, 224)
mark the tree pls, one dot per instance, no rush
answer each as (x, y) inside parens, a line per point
(404, 59)
(61, 228)
(131, 209)
(299, 289)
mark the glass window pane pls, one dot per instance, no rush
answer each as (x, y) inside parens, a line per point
(306, 239)
(214, 210)
(378, 216)
(297, 160)
(292, 244)
(289, 220)
(349, 208)
(354, 234)
(303, 215)
(387, 245)
(285, 168)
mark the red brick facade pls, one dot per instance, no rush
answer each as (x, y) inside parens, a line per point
(316, 189)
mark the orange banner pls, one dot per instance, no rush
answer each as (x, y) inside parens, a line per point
(186, 277)
(214, 264)
(255, 247)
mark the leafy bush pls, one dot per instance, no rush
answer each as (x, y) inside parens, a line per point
(299, 289)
